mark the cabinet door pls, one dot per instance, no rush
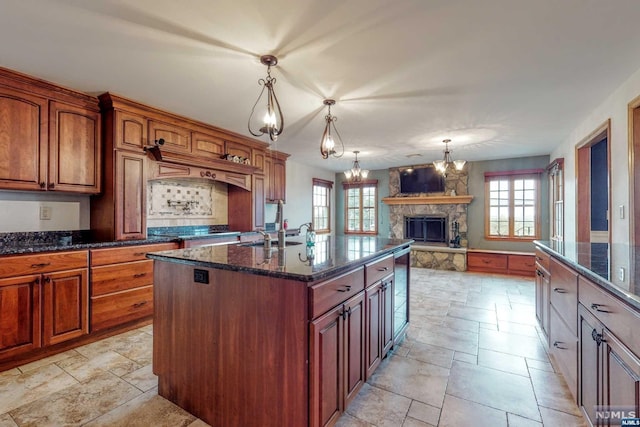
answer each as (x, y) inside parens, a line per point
(621, 375)
(401, 279)
(589, 363)
(386, 305)
(354, 347)
(373, 328)
(19, 315)
(176, 139)
(131, 192)
(258, 201)
(279, 180)
(268, 179)
(64, 306)
(209, 146)
(236, 149)
(23, 141)
(546, 290)
(131, 131)
(75, 155)
(327, 355)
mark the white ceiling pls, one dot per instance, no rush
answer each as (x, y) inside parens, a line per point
(500, 78)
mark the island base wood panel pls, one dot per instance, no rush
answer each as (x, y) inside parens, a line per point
(232, 352)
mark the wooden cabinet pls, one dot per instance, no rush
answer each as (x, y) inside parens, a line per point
(122, 284)
(337, 368)
(401, 288)
(129, 131)
(275, 178)
(237, 149)
(49, 137)
(205, 145)
(43, 301)
(542, 290)
(75, 161)
(176, 139)
(379, 327)
(487, 261)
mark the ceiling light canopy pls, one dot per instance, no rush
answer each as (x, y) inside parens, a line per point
(273, 121)
(356, 174)
(328, 143)
(442, 165)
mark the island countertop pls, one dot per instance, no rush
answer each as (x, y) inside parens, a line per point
(329, 256)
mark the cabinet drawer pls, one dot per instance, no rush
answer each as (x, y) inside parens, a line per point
(564, 293)
(563, 345)
(522, 264)
(176, 138)
(543, 259)
(620, 319)
(114, 278)
(21, 265)
(121, 307)
(327, 295)
(378, 270)
(127, 253)
(487, 262)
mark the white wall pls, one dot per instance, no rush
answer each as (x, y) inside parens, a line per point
(20, 211)
(297, 210)
(615, 107)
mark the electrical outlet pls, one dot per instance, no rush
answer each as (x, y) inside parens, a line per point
(621, 274)
(45, 213)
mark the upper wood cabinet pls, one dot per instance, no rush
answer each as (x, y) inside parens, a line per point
(130, 131)
(176, 139)
(49, 137)
(237, 149)
(275, 171)
(205, 145)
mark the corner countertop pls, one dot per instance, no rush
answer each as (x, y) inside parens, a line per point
(329, 256)
(592, 260)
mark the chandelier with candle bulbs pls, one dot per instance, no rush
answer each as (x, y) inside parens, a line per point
(273, 120)
(356, 173)
(328, 142)
(442, 165)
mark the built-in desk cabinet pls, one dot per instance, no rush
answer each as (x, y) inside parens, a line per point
(49, 137)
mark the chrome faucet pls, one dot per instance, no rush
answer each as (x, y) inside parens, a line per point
(267, 239)
(280, 221)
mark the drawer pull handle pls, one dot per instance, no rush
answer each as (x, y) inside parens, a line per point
(383, 268)
(486, 261)
(42, 264)
(558, 345)
(47, 279)
(559, 290)
(139, 304)
(598, 338)
(139, 275)
(346, 313)
(139, 254)
(596, 307)
(345, 289)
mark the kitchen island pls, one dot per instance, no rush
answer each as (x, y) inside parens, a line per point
(248, 336)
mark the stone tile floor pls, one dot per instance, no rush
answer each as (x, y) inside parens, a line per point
(473, 356)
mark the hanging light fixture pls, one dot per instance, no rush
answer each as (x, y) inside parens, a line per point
(328, 143)
(442, 165)
(273, 121)
(356, 174)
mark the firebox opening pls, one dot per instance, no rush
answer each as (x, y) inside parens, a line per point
(431, 229)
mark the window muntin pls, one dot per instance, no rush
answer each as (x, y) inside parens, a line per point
(361, 202)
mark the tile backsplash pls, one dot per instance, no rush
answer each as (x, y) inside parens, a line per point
(173, 203)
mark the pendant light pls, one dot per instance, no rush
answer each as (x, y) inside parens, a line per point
(442, 165)
(356, 173)
(328, 143)
(273, 121)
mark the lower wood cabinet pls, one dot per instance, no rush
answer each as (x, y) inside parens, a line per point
(379, 332)
(515, 263)
(43, 301)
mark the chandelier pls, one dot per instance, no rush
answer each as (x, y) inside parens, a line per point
(442, 165)
(327, 143)
(273, 121)
(356, 174)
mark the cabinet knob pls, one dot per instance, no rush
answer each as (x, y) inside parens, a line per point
(42, 184)
(51, 186)
(597, 337)
(47, 279)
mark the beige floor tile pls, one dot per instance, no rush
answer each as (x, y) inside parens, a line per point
(552, 392)
(425, 413)
(518, 421)
(413, 379)
(83, 368)
(143, 378)
(460, 324)
(412, 422)
(77, 404)
(7, 421)
(466, 357)
(459, 412)
(198, 423)
(473, 313)
(490, 387)
(452, 339)
(503, 362)
(553, 418)
(18, 390)
(517, 328)
(431, 354)
(540, 365)
(347, 420)
(517, 345)
(486, 301)
(379, 407)
(517, 313)
(48, 360)
(148, 409)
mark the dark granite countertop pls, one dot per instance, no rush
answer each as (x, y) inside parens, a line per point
(593, 261)
(30, 247)
(331, 255)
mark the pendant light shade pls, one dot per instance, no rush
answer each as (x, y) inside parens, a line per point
(272, 123)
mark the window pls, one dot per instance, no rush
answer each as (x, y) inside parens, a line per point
(512, 205)
(321, 220)
(556, 193)
(361, 214)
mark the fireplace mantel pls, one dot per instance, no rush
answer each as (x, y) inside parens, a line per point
(428, 200)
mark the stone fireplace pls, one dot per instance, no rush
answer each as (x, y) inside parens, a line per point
(428, 219)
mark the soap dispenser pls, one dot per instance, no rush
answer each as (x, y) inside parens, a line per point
(311, 236)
